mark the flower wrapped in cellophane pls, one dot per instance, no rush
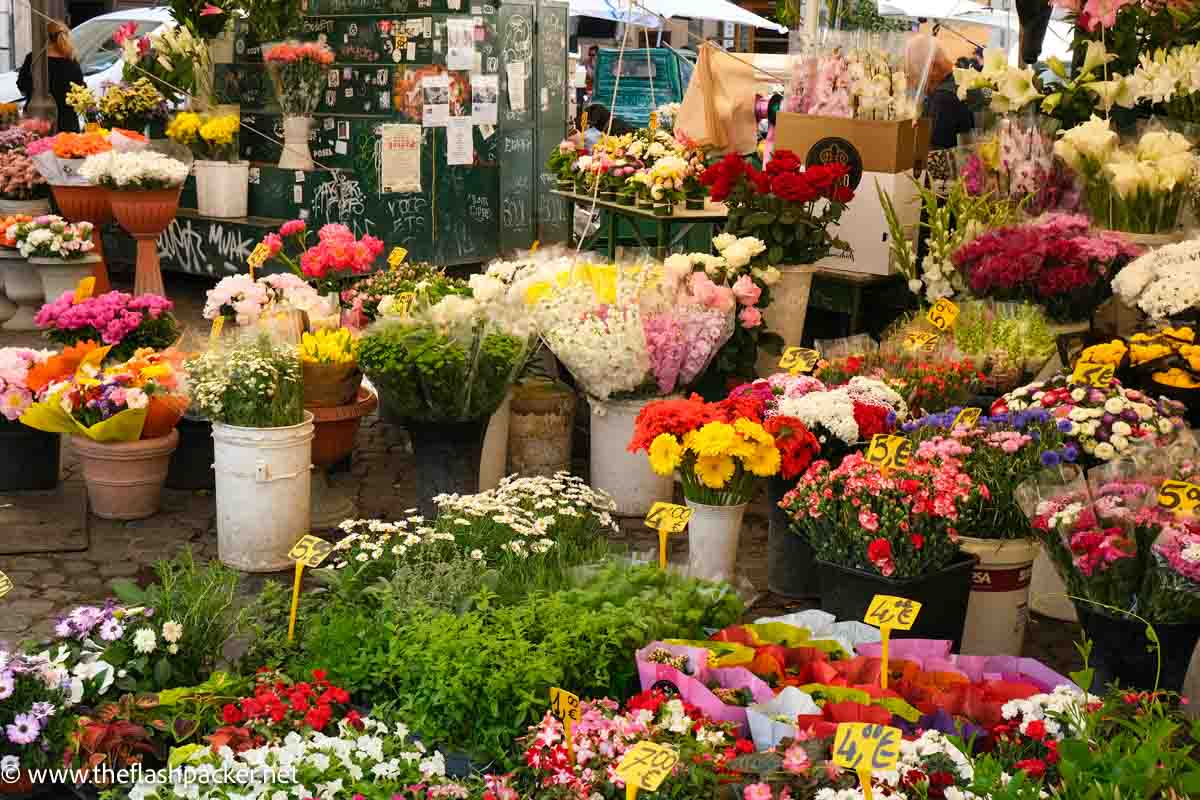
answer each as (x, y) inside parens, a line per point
(141, 398)
(629, 330)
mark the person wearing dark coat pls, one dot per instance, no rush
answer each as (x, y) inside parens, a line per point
(63, 69)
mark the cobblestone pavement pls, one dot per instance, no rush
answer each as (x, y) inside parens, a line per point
(381, 477)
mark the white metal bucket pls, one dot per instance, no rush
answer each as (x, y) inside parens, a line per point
(713, 533)
(624, 475)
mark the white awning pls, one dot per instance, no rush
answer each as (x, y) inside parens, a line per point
(648, 13)
(930, 9)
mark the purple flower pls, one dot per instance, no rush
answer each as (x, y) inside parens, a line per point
(1070, 453)
(1064, 425)
(24, 729)
(42, 710)
(7, 685)
(1050, 458)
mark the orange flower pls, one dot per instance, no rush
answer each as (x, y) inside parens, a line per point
(8, 222)
(80, 145)
(58, 367)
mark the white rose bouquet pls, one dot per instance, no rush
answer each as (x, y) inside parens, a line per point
(134, 171)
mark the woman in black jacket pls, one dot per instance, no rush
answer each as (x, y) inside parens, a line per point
(63, 69)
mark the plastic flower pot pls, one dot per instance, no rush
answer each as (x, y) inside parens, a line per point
(790, 558)
(191, 466)
(145, 215)
(23, 287)
(88, 204)
(846, 593)
(447, 456)
(125, 479)
(999, 605)
(1121, 651)
(29, 458)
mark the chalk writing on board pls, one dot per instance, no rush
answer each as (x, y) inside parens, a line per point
(342, 200)
(514, 204)
(183, 244)
(479, 208)
(410, 218)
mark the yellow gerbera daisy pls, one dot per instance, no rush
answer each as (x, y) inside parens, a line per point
(714, 439)
(753, 431)
(714, 471)
(764, 461)
(664, 454)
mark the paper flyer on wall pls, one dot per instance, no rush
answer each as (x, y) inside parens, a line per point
(435, 99)
(516, 85)
(460, 43)
(460, 151)
(485, 92)
(400, 159)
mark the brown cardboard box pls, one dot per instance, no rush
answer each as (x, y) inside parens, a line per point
(864, 145)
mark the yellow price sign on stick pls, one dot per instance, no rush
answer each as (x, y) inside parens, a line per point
(889, 451)
(1179, 496)
(396, 257)
(533, 248)
(565, 706)
(799, 359)
(943, 314)
(920, 341)
(667, 518)
(653, 120)
(310, 551)
(645, 766)
(888, 612)
(6, 584)
(84, 289)
(866, 747)
(218, 325)
(1091, 374)
(403, 303)
(967, 417)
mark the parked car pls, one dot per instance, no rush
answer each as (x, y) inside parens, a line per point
(98, 54)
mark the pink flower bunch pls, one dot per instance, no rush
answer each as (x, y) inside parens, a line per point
(703, 291)
(1096, 548)
(15, 394)
(680, 343)
(1093, 14)
(19, 178)
(772, 389)
(337, 251)
(666, 347)
(114, 315)
(38, 146)
(1179, 547)
(291, 52)
(1008, 441)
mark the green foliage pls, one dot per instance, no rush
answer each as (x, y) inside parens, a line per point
(272, 20)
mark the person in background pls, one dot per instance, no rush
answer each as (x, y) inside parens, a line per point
(598, 124)
(1034, 16)
(63, 69)
(950, 116)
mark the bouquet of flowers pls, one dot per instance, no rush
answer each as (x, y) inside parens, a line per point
(211, 137)
(19, 178)
(15, 394)
(9, 230)
(134, 170)
(125, 322)
(16, 138)
(663, 182)
(903, 523)
(247, 301)
(177, 60)
(844, 416)
(926, 382)
(328, 359)
(332, 264)
(1102, 422)
(1139, 188)
(718, 450)
(32, 711)
(82, 101)
(141, 398)
(623, 330)
(1016, 160)
(857, 76)
(1056, 261)
(51, 236)
(1005, 341)
(59, 157)
(252, 383)
(362, 300)
(562, 159)
(132, 106)
(298, 72)
(1163, 282)
(785, 196)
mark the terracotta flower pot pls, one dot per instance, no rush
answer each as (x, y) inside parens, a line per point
(125, 479)
(88, 204)
(336, 427)
(145, 215)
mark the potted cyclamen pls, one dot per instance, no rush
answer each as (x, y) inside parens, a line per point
(23, 190)
(121, 420)
(222, 181)
(28, 458)
(298, 72)
(144, 189)
(59, 250)
(253, 393)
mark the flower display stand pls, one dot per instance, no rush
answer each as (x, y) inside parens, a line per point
(145, 215)
(88, 204)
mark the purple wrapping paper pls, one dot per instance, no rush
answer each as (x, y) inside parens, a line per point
(693, 688)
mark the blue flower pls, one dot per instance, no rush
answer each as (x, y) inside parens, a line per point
(1070, 453)
(1035, 435)
(1064, 425)
(1051, 458)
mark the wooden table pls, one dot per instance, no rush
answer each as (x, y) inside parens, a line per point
(682, 220)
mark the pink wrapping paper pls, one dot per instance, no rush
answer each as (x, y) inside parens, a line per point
(933, 655)
(693, 688)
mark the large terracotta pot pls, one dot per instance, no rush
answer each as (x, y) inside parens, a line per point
(88, 204)
(125, 479)
(145, 215)
(334, 432)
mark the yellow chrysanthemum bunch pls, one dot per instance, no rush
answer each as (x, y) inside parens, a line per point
(329, 347)
(1107, 353)
(219, 131)
(719, 456)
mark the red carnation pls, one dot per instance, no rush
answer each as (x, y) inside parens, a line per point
(1035, 729)
(918, 541)
(879, 550)
(1034, 767)
(783, 161)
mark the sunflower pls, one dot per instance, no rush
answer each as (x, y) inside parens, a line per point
(664, 454)
(764, 461)
(714, 471)
(714, 439)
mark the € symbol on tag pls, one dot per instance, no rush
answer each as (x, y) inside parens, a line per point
(1179, 496)
(668, 516)
(404, 302)
(565, 705)
(967, 417)
(396, 257)
(943, 314)
(799, 359)
(889, 451)
(310, 550)
(647, 764)
(893, 612)
(218, 325)
(920, 341)
(1090, 374)
(84, 289)
(6, 584)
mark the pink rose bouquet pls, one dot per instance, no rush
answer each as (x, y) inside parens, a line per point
(15, 394)
(331, 265)
(245, 301)
(298, 72)
(126, 322)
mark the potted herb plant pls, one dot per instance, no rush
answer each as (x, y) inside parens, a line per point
(298, 72)
(222, 180)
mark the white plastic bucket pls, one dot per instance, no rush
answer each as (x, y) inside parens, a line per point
(222, 188)
(713, 533)
(999, 604)
(263, 479)
(787, 312)
(624, 475)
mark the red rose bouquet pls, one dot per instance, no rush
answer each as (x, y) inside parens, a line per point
(786, 205)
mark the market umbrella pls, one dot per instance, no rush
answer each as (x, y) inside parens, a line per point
(930, 9)
(649, 13)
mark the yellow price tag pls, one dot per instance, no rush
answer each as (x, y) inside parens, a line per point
(653, 120)
(799, 359)
(667, 518)
(1179, 496)
(647, 764)
(6, 584)
(84, 289)
(310, 550)
(583, 121)
(866, 747)
(889, 451)
(565, 705)
(892, 612)
(404, 302)
(533, 248)
(943, 314)
(921, 341)
(967, 417)
(396, 257)
(218, 325)
(1090, 374)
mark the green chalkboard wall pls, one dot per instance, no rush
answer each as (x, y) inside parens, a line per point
(383, 49)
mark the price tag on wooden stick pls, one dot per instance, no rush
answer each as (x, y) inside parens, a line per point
(310, 551)
(943, 314)
(667, 518)
(84, 289)
(920, 341)
(1087, 373)
(799, 359)
(565, 706)
(1179, 496)
(888, 612)
(645, 766)
(218, 325)
(6, 584)
(866, 747)
(967, 417)
(888, 451)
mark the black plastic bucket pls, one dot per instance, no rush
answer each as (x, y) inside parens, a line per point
(846, 593)
(29, 458)
(192, 462)
(447, 456)
(1122, 652)
(790, 558)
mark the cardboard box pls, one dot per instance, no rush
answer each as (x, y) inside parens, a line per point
(863, 145)
(865, 228)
